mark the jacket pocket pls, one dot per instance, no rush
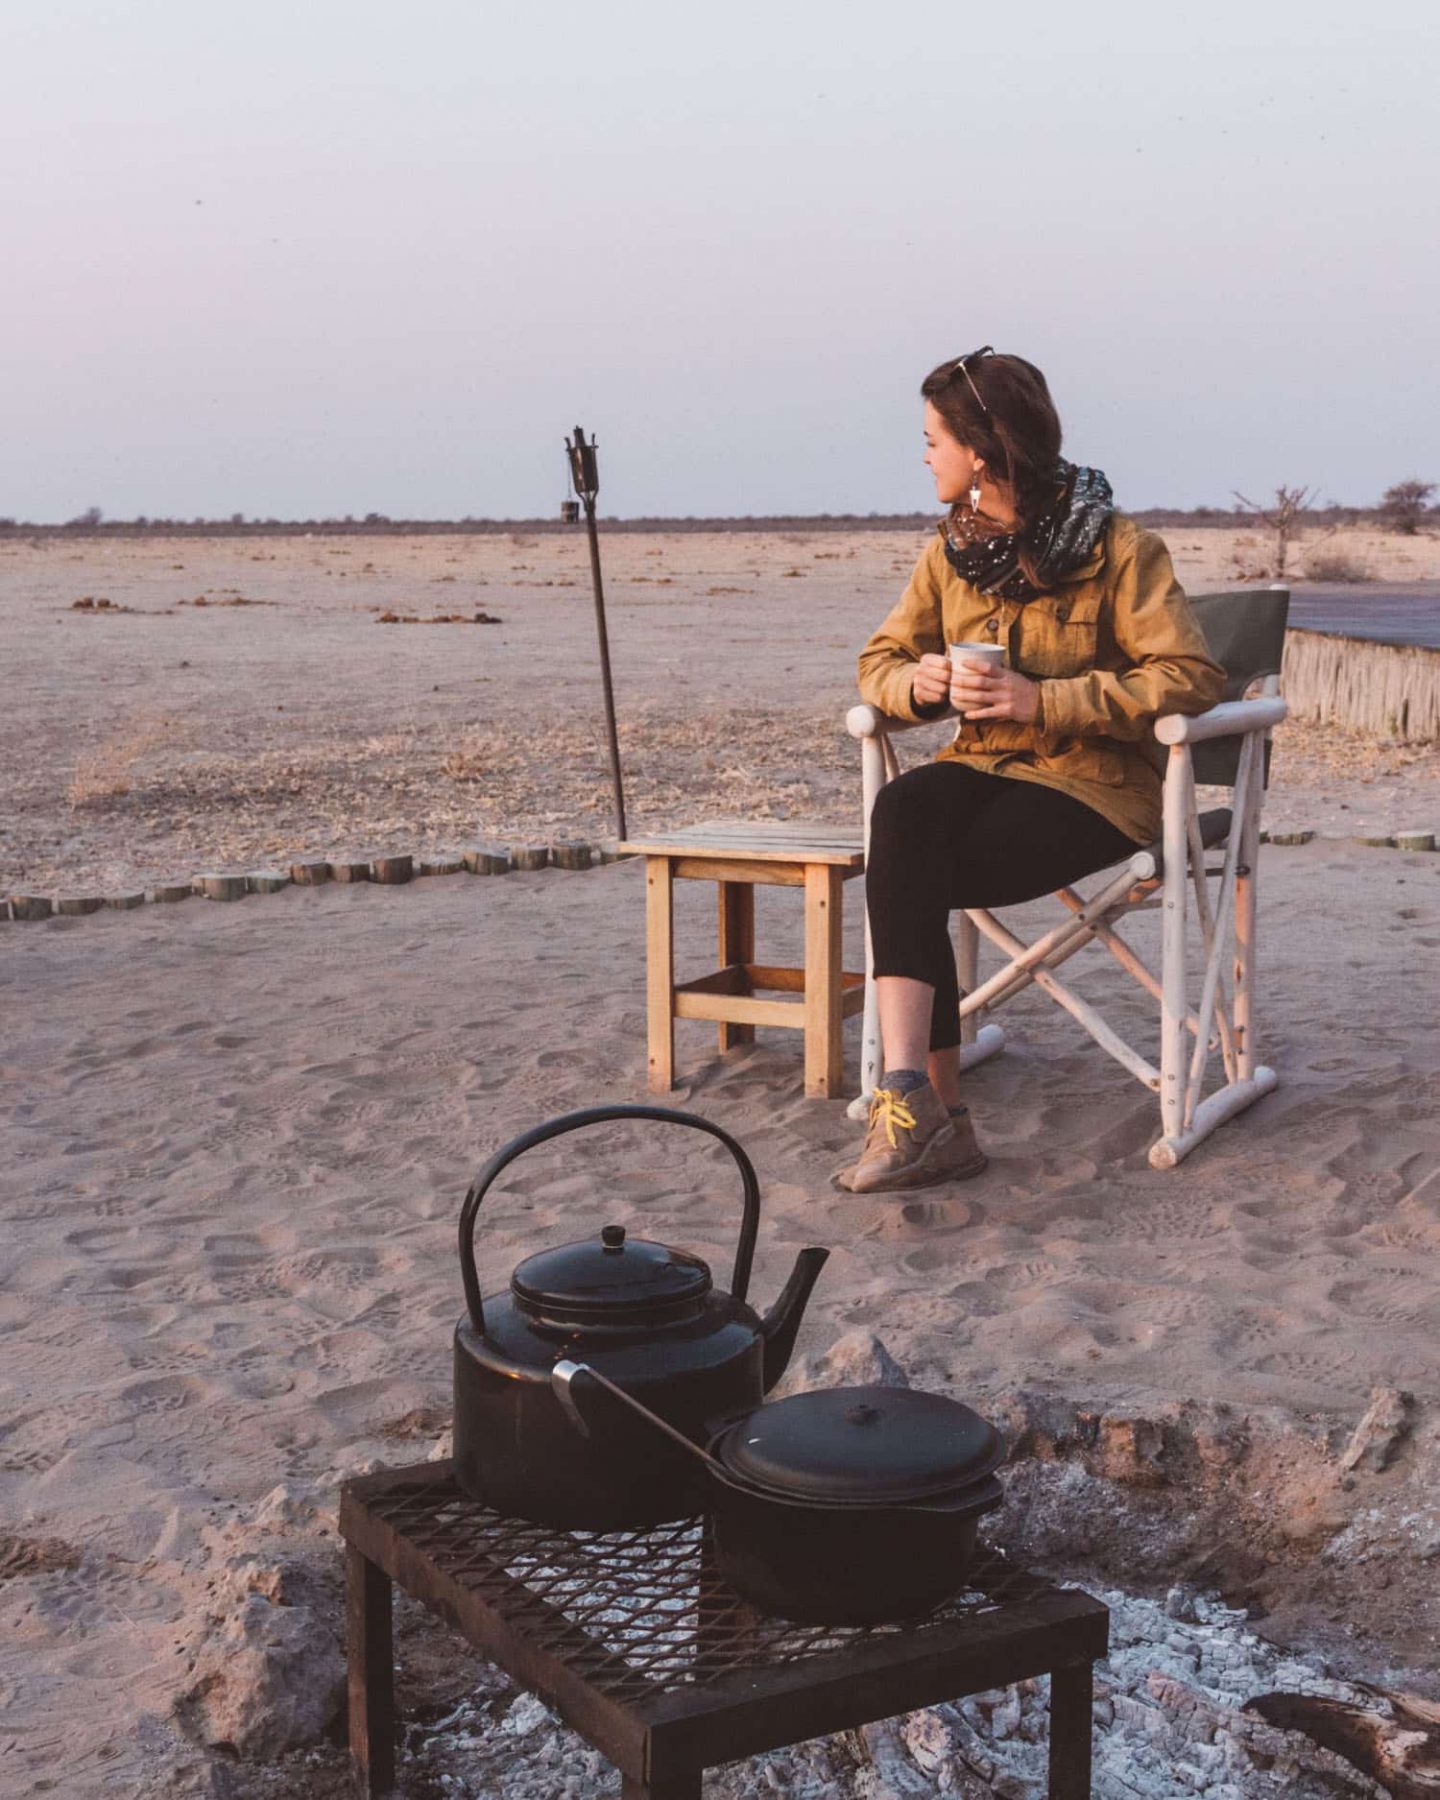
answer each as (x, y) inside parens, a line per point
(1085, 759)
(1059, 635)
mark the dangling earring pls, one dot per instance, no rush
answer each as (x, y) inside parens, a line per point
(975, 488)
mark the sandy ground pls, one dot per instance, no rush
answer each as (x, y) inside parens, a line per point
(236, 1138)
(283, 718)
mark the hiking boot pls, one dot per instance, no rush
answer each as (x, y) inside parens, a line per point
(912, 1142)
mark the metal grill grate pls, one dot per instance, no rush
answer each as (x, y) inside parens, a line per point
(636, 1613)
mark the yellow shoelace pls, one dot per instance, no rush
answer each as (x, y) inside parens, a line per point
(891, 1110)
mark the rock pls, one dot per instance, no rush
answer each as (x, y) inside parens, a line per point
(1379, 1434)
(1130, 1451)
(930, 1740)
(858, 1359)
(267, 1670)
(285, 1506)
(1005, 1720)
(526, 1715)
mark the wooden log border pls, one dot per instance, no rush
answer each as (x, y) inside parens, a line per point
(565, 854)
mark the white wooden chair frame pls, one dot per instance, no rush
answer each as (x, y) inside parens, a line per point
(1227, 930)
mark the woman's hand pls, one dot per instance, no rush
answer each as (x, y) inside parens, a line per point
(930, 685)
(982, 692)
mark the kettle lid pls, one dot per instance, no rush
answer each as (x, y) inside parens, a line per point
(861, 1446)
(611, 1280)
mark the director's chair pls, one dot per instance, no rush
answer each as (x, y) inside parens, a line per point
(1228, 746)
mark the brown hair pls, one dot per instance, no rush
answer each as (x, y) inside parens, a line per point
(1000, 407)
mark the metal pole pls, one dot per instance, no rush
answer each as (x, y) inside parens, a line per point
(584, 473)
(605, 667)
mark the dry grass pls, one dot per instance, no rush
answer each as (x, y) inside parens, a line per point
(103, 774)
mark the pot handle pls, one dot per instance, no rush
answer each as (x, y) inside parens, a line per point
(562, 1380)
(600, 1115)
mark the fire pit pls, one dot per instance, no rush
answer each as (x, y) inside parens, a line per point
(633, 1639)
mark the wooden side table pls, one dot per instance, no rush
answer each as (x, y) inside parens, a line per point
(636, 1643)
(737, 855)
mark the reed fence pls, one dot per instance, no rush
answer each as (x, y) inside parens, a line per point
(1392, 690)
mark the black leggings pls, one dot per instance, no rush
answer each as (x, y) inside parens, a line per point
(946, 835)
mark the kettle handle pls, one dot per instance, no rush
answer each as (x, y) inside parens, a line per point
(600, 1115)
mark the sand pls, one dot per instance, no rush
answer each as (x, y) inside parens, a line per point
(237, 1137)
(173, 737)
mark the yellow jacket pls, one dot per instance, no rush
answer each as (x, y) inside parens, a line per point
(1112, 648)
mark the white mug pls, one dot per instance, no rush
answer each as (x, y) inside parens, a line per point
(991, 654)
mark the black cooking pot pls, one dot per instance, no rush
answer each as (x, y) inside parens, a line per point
(648, 1318)
(846, 1506)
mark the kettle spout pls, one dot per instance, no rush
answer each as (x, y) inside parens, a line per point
(781, 1324)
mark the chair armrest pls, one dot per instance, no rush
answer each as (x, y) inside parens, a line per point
(1226, 720)
(866, 721)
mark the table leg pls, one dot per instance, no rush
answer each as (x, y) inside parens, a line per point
(737, 945)
(660, 971)
(678, 1787)
(370, 1669)
(1072, 1692)
(823, 989)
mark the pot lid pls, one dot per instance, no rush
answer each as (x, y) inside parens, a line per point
(862, 1445)
(611, 1279)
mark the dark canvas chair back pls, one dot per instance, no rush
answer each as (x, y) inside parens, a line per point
(1245, 632)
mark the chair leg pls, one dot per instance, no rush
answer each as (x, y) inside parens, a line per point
(1179, 788)
(873, 777)
(967, 969)
(660, 972)
(823, 988)
(737, 945)
(1246, 902)
(1172, 1149)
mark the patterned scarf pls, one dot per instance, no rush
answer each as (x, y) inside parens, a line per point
(1058, 541)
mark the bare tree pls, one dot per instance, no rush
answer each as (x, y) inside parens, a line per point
(1405, 504)
(1283, 518)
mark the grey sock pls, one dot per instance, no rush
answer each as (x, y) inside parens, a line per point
(904, 1081)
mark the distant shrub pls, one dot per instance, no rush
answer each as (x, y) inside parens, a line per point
(1336, 565)
(1403, 506)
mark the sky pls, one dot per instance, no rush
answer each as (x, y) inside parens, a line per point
(335, 257)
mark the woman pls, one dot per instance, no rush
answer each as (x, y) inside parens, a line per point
(1053, 772)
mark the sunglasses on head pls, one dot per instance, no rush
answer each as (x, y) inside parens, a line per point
(961, 369)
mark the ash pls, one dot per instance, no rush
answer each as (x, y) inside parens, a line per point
(1169, 1716)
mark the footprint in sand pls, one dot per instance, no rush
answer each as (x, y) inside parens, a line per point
(162, 1394)
(1329, 1374)
(1382, 1296)
(100, 1238)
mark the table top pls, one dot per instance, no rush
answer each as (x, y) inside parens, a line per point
(757, 840)
(631, 1634)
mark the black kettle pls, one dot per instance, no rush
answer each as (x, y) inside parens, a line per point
(648, 1318)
